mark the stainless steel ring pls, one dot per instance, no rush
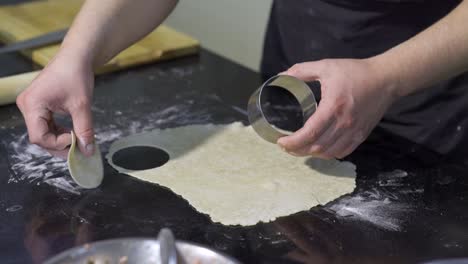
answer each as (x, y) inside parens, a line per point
(299, 89)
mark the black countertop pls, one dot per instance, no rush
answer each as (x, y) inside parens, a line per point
(409, 205)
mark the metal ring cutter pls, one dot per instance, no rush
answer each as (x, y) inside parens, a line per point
(257, 116)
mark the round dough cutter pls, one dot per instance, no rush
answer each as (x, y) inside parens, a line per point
(257, 106)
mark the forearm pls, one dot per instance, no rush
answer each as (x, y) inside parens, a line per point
(104, 28)
(436, 54)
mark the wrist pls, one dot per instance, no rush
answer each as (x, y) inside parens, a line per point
(68, 65)
(387, 76)
(74, 56)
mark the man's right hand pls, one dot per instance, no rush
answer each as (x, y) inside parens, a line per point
(99, 32)
(63, 87)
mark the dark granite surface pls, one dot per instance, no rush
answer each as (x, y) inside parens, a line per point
(409, 205)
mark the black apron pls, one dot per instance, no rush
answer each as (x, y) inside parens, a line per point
(308, 30)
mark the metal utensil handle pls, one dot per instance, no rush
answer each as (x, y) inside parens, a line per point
(35, 42)
(167, 247)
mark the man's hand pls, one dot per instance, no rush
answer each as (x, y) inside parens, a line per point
(354, 99)
(63, 87)
(99, 32)
(356, 93)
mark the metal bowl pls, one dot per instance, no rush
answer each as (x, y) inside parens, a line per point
(137, 250)
(257, 114)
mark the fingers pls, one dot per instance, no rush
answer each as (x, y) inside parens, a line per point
(331, 145)
(306, 71)
(312, 130)
(323, 136)
(320, 147)
(342, 120)
(346, 149)
(41, 130)
(339, 149)
(63, 154)
(83, 128)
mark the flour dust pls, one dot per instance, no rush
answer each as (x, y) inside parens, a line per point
(384, 205)
(30, 163)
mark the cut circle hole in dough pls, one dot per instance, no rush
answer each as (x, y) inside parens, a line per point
(140, 157)
(235, 177)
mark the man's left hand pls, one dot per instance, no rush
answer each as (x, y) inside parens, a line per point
(355, 96)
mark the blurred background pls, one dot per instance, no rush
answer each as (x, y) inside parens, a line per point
(233, 29)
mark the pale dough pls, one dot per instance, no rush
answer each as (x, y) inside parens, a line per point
(231, 174)
(87, 172)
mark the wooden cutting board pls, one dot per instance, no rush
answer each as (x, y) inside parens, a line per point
(20, 22)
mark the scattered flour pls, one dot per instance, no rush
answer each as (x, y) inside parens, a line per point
(185, 71)
(372, 206)
(14, 208)
(240, 110)
(177, 72)
(393, 178)
(30, 163)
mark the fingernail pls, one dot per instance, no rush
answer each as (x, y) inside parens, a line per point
(87, 147)
(90, 148)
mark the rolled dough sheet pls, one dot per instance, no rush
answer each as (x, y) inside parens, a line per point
(87, 172)
(231, 174)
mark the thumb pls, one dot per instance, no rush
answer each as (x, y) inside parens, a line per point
(306, 71)
(83, 128)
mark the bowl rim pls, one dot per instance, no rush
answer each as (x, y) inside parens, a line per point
(86, 246)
